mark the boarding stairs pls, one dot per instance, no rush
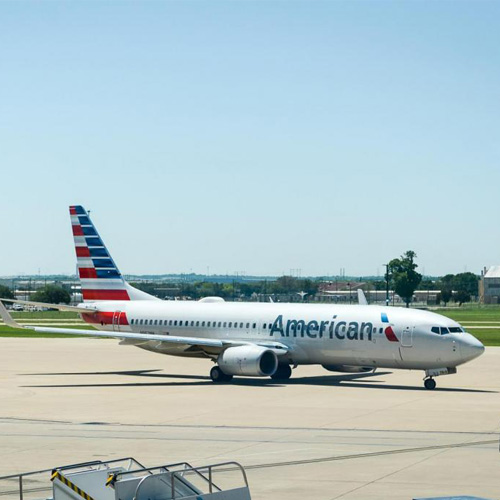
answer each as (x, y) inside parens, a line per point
(127, 479)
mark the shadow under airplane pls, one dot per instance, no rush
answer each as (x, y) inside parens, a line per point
(362, 380)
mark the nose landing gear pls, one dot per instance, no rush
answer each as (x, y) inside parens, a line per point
(430, 383)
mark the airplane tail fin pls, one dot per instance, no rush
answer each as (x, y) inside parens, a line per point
(99, 275)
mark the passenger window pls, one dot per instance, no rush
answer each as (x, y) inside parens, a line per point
(202, 323)
(219, 324)
(225, 324)
(169, 322)
(192, 323)
(197, 323)
(264, 326)
(150, 321)
(241, 325)
(230, 324)
(156, 321)
(175, 323)
(132, 322)
(254, 325)
(160, 322)
(248, 325)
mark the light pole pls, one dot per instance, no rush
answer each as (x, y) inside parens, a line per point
(386, 284)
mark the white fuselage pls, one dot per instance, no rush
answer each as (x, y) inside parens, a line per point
(313, 334)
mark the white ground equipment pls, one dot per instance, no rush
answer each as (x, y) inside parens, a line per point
(127, 479)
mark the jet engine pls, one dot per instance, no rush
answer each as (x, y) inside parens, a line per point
(348, 368)
(248, 360)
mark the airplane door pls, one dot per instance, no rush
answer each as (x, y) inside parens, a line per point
(116, 320)
(407, 337)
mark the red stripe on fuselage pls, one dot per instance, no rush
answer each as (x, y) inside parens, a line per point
(77, 230)
(82, 252)
(105, 295)
(87, 272)
(106, 318)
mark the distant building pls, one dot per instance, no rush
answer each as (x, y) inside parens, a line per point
(489, 286)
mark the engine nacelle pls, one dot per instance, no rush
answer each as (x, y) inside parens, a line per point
(248, 360)
(348, 368)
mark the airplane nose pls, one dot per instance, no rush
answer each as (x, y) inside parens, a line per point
(470, 347)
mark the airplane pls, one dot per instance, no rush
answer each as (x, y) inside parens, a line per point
(256, 339)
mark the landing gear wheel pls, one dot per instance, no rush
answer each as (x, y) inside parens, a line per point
(283, 372)
(217, 375)
(430, 384)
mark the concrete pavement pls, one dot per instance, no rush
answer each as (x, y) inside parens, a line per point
(320, 435)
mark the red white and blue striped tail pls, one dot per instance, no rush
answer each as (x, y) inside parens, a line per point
(99, 275)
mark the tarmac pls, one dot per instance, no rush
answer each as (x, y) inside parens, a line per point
(320, 435)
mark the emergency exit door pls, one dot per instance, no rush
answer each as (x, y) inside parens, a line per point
(407, 337)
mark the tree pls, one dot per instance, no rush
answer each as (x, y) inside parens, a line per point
(404, 276)
(446, 288)
(461, 287)
(6, 292)
(52, 294)
(465, 285)
(446, 295)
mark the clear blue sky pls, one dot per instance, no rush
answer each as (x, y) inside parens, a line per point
(251, 136)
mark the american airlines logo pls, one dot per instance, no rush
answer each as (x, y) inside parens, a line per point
(342, 330)
(352, 330)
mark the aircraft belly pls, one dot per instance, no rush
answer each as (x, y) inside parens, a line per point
(362, 353)
(173, 350)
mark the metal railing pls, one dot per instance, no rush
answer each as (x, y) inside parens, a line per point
(180, 477)
(228, 467)
(21, 483)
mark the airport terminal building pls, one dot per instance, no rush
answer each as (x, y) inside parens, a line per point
(489, 285)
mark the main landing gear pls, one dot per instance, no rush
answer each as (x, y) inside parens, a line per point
(283, 372)
(217, 375)
(430, 383)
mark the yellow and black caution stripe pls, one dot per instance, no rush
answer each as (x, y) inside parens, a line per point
(111, 480)
(57, 475)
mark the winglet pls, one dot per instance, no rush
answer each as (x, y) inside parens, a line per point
(7, 318)
(362, 298)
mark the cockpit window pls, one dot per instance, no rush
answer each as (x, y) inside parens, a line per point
(456, 329)
(441, 330)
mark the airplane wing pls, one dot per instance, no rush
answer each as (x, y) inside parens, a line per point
(86, 308)
(222, 344)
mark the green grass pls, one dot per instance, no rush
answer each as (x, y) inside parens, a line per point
(6, 331)
(487, 337)
(469, 314)
(44, 315)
